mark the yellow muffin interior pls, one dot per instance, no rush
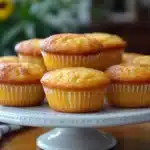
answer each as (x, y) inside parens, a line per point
(75, 77)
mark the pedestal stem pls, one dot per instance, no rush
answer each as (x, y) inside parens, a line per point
(75, 139)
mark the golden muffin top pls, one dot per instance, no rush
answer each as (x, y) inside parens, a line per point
(75, 78)
(20, 73)
(108, 41)
(69, 43)
(29, 47)
(128, 57)
(129, 73)
(142, 60)
(8, 59)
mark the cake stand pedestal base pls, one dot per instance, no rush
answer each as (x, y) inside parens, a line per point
(75, 139)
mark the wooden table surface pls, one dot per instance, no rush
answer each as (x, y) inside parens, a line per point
(131, 137)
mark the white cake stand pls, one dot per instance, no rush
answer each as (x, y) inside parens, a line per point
(75, 131)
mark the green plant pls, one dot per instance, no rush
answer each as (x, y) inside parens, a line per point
(41, 18)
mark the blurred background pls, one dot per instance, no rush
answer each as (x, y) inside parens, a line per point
(26, 19)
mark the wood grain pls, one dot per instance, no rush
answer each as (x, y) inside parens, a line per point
(131, 137)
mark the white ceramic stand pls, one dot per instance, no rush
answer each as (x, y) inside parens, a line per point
(75, 139)
(75, 131)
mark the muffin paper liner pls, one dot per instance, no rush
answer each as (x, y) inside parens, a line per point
(21, 95)
(129, 95)
(75, 101)
(98, 61)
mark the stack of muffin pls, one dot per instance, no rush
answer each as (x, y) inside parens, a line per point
(76, 72)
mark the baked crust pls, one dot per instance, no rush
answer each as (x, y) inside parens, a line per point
(9, 59)
(29, 47)
(108, 41)
(129, 74)
(129, 57)
(75, 78)
(69, 43)
(18, 73)
(142, 60)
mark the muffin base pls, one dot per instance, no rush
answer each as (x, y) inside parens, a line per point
(129, 95)
(75, 101)
(97, 61)
(21, 95)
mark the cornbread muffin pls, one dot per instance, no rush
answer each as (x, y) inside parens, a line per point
(112, 49)
(20, 84)
(30, 51)
(142, 60)
(128, 58)
(75, 89)
(8, 59)
(70, 50)
(130, 86)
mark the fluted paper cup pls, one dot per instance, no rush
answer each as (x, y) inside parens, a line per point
(21, 95)
(75, 101)
(129, 95)
(99, 61)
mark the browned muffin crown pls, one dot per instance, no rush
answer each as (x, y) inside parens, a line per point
(129, 73)
(108, 41)
(142, 60)
(20, 73)
(29, 47)
(75, 78)
(129, 57)
(69, 43)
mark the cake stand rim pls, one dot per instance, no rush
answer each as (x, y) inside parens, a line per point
(22, 116)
